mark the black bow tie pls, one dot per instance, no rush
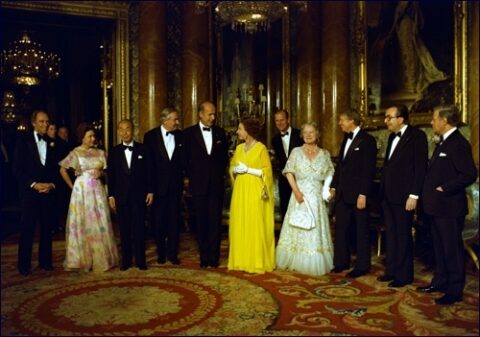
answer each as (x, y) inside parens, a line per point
(206, 129)
(441, 138)
(41, 137)
(169, 133)
(285, 134)
(398, 134)
(349, 135)
(128, 147)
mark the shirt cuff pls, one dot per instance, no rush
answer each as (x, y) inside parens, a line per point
(33, 184)
(413, 196)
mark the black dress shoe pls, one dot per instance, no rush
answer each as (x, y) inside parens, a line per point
(449, 299)
(430, 289)
(356, 273)
(385, 278)
(161, 260)
(175, 261)
(47, 268)
(142, 267)
(24, 272)
(398, 284)
(203, 265)
(125, 267)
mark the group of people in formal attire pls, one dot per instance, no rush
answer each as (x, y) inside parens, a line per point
(151, 175)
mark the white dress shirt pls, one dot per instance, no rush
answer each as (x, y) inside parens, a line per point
(42, 148)
(349, 141)
(286, 139)
(169, 142)
(396, 140)
(207, 137)
(128, 153)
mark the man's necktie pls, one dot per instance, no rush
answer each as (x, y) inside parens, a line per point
(349, 134)
(285, 134)
(206, 129)
(441, 139)
(398, 134)
(128, 147)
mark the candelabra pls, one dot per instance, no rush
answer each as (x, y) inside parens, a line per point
(248, 103)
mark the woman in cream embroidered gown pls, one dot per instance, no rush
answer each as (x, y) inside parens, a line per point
(90, 242)
(251, 229)
(309, 171)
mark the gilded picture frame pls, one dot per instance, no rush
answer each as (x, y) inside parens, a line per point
(459, 75)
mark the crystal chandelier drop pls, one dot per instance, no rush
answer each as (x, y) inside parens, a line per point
(247, 16)
(25, 63)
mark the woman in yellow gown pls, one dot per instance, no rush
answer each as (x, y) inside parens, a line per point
(251, 232)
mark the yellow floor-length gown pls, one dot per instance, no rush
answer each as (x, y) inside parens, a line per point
(251, 232)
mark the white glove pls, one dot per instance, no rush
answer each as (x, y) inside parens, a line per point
(240, 168)
(326, 188)
(254, 172)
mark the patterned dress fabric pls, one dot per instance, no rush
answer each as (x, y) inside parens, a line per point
(251, 229)
(90, 242)
(307, 251)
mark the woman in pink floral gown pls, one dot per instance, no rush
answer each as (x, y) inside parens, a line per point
(90, 241)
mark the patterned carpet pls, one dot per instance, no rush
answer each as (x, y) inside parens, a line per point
(186, 300)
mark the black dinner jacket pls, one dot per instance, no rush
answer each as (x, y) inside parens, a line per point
(206, 172)
(168, 173)
(451, 167)
(134, 182)
(29, 169)
(295, 141)
(354, 174)
(404, 172)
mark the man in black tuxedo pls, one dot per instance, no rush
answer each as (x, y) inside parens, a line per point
(400, 187)
(206, 150)
(36, 168)
(450, 170)
(165, 148)
(351, 186)
(283, 143)
(130, 189)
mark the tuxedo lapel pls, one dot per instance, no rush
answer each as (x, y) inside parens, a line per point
(355, 143)
(436, 151)
(389, 146)
(161, 145)
(407, 135)
(199, 138)
(32, 143)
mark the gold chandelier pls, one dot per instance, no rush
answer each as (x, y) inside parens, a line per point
(247, 16)
(25, 63)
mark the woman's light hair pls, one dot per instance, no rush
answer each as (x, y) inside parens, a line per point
(314, 125)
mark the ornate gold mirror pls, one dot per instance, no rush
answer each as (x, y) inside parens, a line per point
(410, 52)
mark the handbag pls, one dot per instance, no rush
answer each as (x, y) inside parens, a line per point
(264, 193)
(302, 216)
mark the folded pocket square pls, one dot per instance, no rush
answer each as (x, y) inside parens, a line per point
(356, 149)
(140, 157)
(219, 142)
(442, 154)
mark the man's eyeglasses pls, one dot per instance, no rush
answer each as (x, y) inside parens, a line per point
(389, 118)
